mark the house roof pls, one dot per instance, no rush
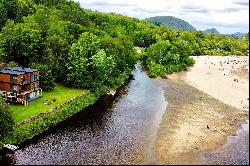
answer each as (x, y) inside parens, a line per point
(29, 70)
(17, 70)
(12, 72)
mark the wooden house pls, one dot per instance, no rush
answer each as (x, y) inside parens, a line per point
(20, 85)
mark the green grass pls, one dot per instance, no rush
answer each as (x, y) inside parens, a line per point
(61, 93)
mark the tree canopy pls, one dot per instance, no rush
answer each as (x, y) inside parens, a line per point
(70, 45)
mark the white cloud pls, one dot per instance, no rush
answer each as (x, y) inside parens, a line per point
(228, 16)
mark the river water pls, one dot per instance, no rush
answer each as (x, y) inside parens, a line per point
(122, 133)
(121, 130)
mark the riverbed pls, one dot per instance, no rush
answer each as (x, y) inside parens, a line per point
(141, 125)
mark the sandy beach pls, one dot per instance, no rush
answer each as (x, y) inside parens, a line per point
(206, 104)
(223, 77)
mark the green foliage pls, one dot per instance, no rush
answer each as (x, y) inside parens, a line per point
(144, 37)
(69, 39)
(95, 61)
(79, 66)
(102, 67)
(37, 126)
(1, 145)
(6, 122)
(46, 77)
(21, 43)
(167, 57)
(94, 50)
(60, 93)
(40, 125)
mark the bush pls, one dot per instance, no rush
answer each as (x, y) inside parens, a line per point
(29, 130)
(166, 57)
(6, 121)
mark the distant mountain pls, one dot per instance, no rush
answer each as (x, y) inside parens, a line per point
(212, 30)
(238, 34)
(172, 22)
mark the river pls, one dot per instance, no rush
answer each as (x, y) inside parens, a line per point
(120, 130)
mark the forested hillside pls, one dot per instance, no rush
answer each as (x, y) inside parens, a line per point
(87, 49)
(172, 22)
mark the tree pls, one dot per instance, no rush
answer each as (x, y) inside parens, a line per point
(11, 8)
(79, 64)
(24, 8)
(165, 57)
(22, 43)
(3, 15)
(46, 77)
(103, 67)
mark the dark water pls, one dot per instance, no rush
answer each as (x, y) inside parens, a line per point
(118, 131)
(122, 133)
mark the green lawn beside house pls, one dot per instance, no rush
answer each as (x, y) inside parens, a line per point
(61, 93)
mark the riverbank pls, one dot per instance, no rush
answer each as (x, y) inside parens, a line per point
(43, 121)
(196, 120)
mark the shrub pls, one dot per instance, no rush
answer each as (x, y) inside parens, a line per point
(6, 121)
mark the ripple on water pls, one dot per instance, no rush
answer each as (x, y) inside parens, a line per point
(122, 134)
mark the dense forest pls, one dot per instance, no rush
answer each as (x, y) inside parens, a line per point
(172, 22)
(86, 49)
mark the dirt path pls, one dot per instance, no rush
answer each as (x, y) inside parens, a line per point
(199, 120)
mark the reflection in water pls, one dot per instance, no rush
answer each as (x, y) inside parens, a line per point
(7, 159)
(120, 134)
(235, 151)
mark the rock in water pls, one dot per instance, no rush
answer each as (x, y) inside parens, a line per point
(112, 92)
(11, 147)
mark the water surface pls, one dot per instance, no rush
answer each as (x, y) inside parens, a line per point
(121, 134)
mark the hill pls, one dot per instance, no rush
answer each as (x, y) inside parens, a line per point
(238, 34)
(172, 22)
(212, 30)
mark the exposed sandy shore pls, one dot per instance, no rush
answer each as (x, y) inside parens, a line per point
(223, 77)
(204, 107)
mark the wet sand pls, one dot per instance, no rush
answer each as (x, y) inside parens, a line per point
(204, 108)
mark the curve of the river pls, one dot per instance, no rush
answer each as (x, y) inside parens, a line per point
(119, 131)
(120, 134)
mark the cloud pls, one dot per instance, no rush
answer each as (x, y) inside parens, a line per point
(231, 10)
(242, 3)
(194, 9)
(140, 9)
(101, 4)
(227, 16)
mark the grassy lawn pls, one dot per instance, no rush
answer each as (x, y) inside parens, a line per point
(61, 93)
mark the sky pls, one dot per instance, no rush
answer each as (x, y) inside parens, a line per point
(227, 16)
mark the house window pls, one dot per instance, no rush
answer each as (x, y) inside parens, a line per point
(31, 77)
(14, 87)
(13, 79)
(23, 80)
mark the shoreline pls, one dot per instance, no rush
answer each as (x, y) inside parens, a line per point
(196, 121)
(226, 78)
(26, 132)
